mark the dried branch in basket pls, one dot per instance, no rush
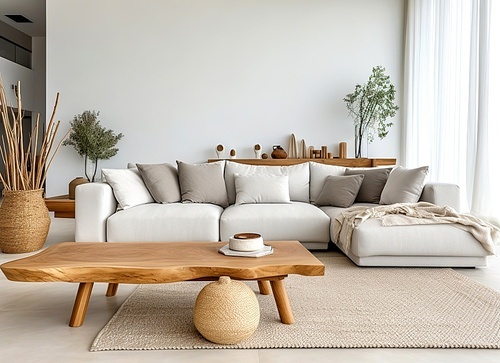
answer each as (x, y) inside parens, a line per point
(26, 166)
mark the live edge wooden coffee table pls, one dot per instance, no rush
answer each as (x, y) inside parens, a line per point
(161, 262)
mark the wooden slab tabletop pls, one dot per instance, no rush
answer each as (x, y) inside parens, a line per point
(157, 262)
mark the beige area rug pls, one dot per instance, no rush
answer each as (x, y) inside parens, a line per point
(349, 307)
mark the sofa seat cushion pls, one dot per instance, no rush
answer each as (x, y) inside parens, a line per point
(295, 221)
(165, 222)
(370, 238)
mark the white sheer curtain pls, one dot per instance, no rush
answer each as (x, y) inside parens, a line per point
(451, 100)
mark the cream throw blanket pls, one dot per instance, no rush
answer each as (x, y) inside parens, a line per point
(413, 213)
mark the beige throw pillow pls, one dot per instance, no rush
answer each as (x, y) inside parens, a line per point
(373, 183)
(340, 191)
(202, 183)
(404, 185)
(162, 182)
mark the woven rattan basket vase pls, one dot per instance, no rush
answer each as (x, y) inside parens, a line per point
(226, 311)
(24, 221)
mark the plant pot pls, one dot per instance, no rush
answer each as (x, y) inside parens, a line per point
(278, 152)
(73, 184)
(24, 221)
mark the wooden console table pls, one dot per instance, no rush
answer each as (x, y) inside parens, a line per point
(348, 162)
(62, 206)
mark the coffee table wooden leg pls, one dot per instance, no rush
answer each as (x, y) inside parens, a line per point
(81, 304)
(264, 287)
(112, 289)
(282, 302)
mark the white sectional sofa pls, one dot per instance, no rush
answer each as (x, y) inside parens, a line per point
(213, 201)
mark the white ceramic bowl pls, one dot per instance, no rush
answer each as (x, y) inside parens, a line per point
(246, 242)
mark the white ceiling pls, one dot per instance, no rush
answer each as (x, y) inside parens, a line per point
(32, 9)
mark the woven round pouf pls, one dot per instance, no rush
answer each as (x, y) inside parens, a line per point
(226, 311)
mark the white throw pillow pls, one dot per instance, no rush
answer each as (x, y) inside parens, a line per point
(404, 185)
(319, 173)
(298, 181)
(128, 187)
(298, 178)
(257, 188)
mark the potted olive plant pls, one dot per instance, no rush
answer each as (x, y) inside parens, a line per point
(371, 105)
(92, 141)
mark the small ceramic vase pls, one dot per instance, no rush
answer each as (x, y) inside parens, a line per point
(220, 151)
(278, 152)
(257, 150)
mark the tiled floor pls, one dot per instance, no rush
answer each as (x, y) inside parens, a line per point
(34, 327)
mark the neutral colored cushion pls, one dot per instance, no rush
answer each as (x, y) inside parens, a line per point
(173, 222)
(161, 181)
(370, 238)
(373, 183)
(277, 222)
(202, 183)
(128, 187)
(340, 191)
(319, 173)
(404, 185)
(298, 178)
(261, 188)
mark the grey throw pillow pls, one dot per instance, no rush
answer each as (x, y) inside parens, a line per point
(404, 185)
(202, 183)
(340, 191)
(161, 181)
(373, 183)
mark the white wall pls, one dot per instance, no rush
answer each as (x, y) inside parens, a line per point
(178, 77)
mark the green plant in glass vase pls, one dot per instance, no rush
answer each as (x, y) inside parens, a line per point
(92, 141)
(371, 105)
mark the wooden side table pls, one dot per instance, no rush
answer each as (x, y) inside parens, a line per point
(62, 206)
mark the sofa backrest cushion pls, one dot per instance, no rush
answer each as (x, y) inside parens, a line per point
(128, 187)
(162, 182)
(298, 178)
(261, 188)
(373, 183)
(404, 185)
(319, 172)
(202, 183)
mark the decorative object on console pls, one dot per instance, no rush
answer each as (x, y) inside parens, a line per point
(324, 152)
(265, 156)
(24, 217)
(232, 154)
(226, 311)
(278, 152)
(257, 149)
(303, 150)
(73, 184)
(371, 105)
(342, 150)
(310, 152)
(220, 151)
(92, 141)
(292, 148)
